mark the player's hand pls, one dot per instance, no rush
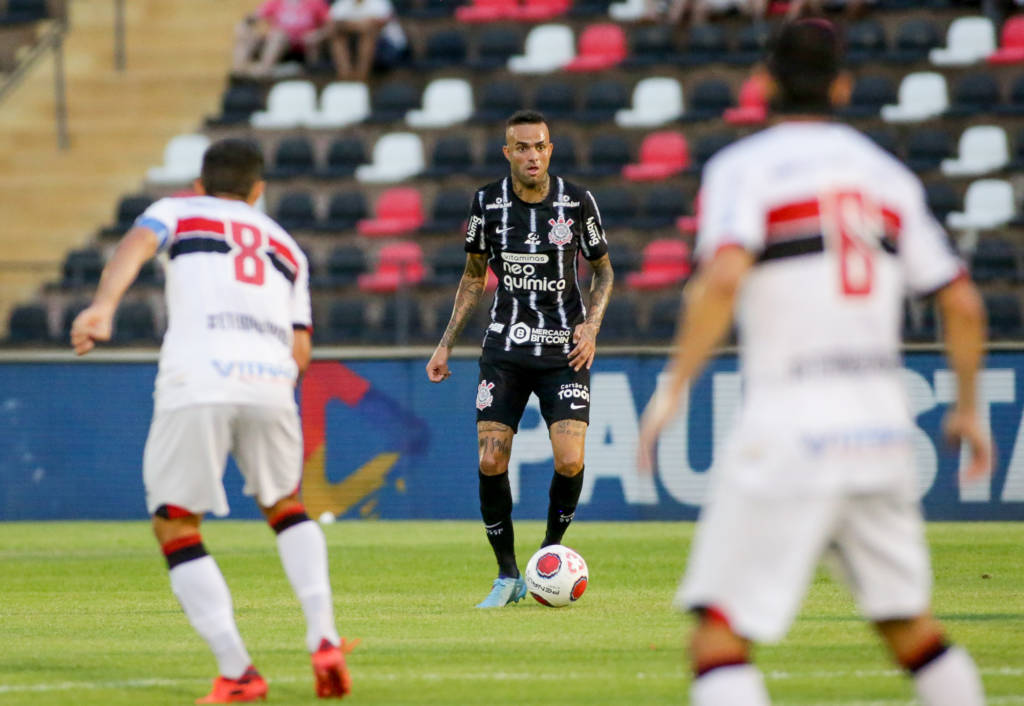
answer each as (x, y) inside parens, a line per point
(585, 338)
(437, 367)
(94, 323)
(656, 416)
(962, 427)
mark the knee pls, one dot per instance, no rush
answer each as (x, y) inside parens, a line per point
(493, 463)
(569, 463)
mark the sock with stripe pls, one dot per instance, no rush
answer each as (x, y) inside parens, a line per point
(199, 586)
(496, 510)
(303, 551)
(563, 496)
(948, 677)
(729, 685)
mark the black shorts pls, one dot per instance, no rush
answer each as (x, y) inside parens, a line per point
(507, 379)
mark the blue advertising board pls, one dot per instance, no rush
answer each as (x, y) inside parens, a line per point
(382, 441)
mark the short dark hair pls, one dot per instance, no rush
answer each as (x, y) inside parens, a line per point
(804, 59)
(525, 117)
(231, 166)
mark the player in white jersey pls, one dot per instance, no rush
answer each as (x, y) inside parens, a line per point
(814, 235)
(238, 336)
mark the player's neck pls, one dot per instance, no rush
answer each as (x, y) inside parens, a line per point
(534, 194)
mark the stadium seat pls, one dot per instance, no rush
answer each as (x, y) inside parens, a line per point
(479, 11)
(564, 157)
(290, 104)
(1011, 46)
(941, 199)
(344, 265)
(183, 158)
(391, 101)
(399, 265)
(343, 156)
(919, 325)
(914, 39)
(238, 104)
(753, 103)
(295, 211)
(662, 154)
(292, 158)
(1017, 161)
(396, 156)
(342, 103)
(751, 44)
(922, 95)
(1004, 316)
(399, 211)
(624, 256)
(887, 139)
(609, 153)
(492, 163)
(451, 155)
(619, 323)
(445, 48)
(656, 101)
(346, 322)
(399, 323)
(549, 47)
(24, 11)
(649, 45)
(707, 100)
(662, 206)
(499, 100)
(973, 94)
(448, 212)
(71, 310)
(706, 147)
(982, 149)
(589, 8)
(968, 40)
(446, 102)
(988, 203)
(82, 268)
(628, 10)
(129, 208)
(666, 263)
(705, 44)
(664, 316)
(1014, 104)
(556, 99)
(28, 323)
(865, 42)
(134, 324)
(601, 47)
(927, 147)
(447, 265)
(994, 260)
(494, 46)
(617, 206)
(869, 95)
(539, 10)
(602, 100)
(344, 210)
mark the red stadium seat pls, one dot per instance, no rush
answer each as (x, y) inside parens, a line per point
(1011, 45)
(666, 262)
(687, 225)
(399, 211)
(753, 104)
(399, 265)
(601, 46)
(539, 10)
(662, 155)
(479, 11)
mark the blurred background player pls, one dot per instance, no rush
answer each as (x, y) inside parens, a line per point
(814, 234)
(529, 227)
(239, 335)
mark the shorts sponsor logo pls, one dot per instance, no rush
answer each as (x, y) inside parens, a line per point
(473, 227)
(496, 327)
(484, 398)
(593, 231)
(522, 333)
(566, 202)
(525, 258)
(577, 406)
(497, 204)
(561, 230)
(549, 565)
(574, 391)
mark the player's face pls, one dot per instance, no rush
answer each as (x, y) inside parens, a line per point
(528, 151)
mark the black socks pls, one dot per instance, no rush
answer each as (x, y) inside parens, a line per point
(562, 499)
(496, 510)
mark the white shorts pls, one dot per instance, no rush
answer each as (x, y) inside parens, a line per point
(754, 556)
(187, 452)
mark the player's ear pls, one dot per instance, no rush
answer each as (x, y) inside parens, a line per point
(841, 88)
(197, 186)
(256, 192)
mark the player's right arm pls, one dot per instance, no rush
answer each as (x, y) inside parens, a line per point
(95, 323)
(471, 289)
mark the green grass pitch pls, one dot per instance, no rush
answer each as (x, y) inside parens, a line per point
(87, 617)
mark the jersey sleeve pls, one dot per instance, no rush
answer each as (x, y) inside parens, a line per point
(926, 255)
(593, 241)
(476, 239)
(162, 219)
(731, 210)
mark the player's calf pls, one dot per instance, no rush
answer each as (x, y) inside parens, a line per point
(723, 675)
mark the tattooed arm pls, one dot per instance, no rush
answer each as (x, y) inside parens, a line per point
(471, 289)
(585, 335)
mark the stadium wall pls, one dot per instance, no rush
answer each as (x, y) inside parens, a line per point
(383, 442)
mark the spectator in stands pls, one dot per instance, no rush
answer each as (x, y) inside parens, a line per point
(801, 8)
(697, 12)
(277, 29)
(371, 28)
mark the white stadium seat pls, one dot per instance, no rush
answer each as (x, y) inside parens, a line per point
(446, 101)
(342, 103)
(969, 40)
(988, 203)
(289, 104)
(628, 10)
(982, 149)
(656, 101)
(183, 159)
(922, 95)
(396, 156)
(548, 48)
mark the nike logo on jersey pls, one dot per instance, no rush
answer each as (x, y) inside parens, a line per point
(499, 231)
(577, 406)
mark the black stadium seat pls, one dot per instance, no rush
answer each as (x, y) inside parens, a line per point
(1004, 316)
(705, 44)
(295, 211)
(617, 207)
(493, 164)
(82, 268)
(865, 42)
(707, 100)
(494, 45)
(661, 325)
(994, 260)
(448, 264)
(343, 156)
(134, 323)
(941, 199)
(344, 210)
(129, 208)
(564, 156)
(344, 265)
(609, 153)
(869, 94)
(927, 147)
(444, 49)
(451, 155)
(448, 212)
(1014, 104)
(498, 101)
(24, 11)
(390, 101)
(914, 39)
(293, 157)
(887, 139)
(662, 205)
(346, 323)
(602, 99)
(706, 147)
(751, 43)
(556, 99)
(619, 323)
(238, 104)
(649, 45)
(974, 93)
(28, 324)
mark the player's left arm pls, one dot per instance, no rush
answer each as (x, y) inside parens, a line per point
(302, 349)
(585, 334)
(95, 323)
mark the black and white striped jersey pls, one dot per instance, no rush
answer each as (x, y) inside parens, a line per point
(532, 248)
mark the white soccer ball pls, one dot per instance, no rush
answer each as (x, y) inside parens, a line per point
(556, 576)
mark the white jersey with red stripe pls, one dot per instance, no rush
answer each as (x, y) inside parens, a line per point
(841, 233)
(237, 285)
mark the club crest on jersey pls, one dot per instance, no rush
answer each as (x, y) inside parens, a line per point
(561, 230)
(484, 398)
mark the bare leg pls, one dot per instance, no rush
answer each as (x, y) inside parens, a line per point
(274, 47)
(340, 52)
(366, 49)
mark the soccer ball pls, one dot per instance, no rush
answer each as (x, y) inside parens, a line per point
(556, 576)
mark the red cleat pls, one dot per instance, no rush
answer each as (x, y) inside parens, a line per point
(332, 678)
(248, 687)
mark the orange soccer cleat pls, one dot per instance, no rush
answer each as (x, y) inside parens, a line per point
(248, 687)
(332, 678)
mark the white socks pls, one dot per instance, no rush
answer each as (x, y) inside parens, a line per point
(734, 685)
(303, 552)
(202, 592)
(951, 679)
